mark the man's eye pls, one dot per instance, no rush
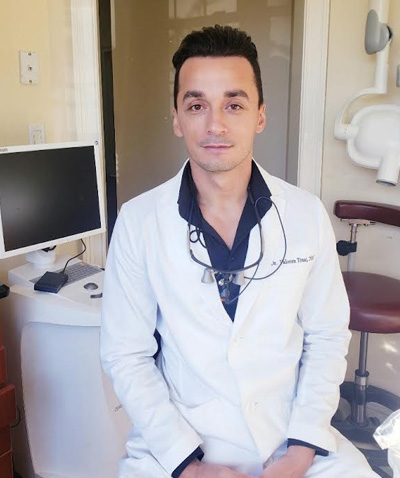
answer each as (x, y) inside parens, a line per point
(195, 108)
(235, 107)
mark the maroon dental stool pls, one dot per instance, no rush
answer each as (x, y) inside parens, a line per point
(375, 309)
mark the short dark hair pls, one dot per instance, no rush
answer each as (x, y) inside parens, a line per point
(217, 41)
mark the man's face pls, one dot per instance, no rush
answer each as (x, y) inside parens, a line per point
(217, 111)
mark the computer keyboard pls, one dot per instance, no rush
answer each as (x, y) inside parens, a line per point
(79, 271)
(76, 272)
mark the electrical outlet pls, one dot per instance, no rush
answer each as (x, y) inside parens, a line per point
(36, 133)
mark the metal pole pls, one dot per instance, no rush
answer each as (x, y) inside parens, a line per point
(351, 259)
(362, 364)
(358, 412)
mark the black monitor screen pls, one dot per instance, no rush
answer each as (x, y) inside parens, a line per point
(47, 195)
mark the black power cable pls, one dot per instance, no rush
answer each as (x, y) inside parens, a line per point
(69, 260)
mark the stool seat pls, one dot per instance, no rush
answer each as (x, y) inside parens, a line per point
(374, 301)
(371, 211)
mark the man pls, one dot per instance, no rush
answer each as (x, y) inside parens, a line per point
(237, 272)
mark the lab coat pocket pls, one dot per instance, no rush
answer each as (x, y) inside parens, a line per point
(293, 270)
(204, 418)
(184, 387)
(218, 419)
(289, 277)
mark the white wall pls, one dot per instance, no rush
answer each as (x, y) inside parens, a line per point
(43, 27)
(349, 70)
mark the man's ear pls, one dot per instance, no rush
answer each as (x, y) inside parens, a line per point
(262, 119)
(176, 125)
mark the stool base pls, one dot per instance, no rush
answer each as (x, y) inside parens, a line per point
(361, 435)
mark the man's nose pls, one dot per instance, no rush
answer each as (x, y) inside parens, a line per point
(216, 124)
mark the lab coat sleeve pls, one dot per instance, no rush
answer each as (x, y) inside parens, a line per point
(127, 347)
(324, 315)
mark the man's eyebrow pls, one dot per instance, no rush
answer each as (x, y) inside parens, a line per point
(227, 94)
(236, 93)
(193, 94)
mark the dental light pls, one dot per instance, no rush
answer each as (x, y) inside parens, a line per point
(373, 135)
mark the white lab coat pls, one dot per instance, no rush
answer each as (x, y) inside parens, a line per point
(235, 388)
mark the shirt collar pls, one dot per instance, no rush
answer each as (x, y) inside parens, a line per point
(187, 199)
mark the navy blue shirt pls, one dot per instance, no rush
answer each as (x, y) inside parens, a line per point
(222, 257)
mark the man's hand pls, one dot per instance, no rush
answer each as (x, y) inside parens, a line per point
(293, 464)
(197, 469)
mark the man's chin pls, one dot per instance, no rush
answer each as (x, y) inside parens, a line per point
(217, 165)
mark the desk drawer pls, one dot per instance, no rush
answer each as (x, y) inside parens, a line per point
(3, 370)
(5, 440)
(8, 406)
(6, 470)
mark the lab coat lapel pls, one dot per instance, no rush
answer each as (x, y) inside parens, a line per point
(274, 248)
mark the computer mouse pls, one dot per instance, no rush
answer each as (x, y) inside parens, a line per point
(91, 286)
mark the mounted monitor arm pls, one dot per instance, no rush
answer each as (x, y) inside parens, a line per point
(380, 151)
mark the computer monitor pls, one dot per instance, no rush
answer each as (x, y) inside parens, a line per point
(49, 194)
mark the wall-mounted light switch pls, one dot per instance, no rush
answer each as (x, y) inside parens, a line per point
(29, 67)
(36, 133)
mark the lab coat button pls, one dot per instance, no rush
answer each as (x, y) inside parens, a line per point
(251, 407)
(237, 340)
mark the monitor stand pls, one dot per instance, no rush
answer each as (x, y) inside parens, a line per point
(41, 259)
